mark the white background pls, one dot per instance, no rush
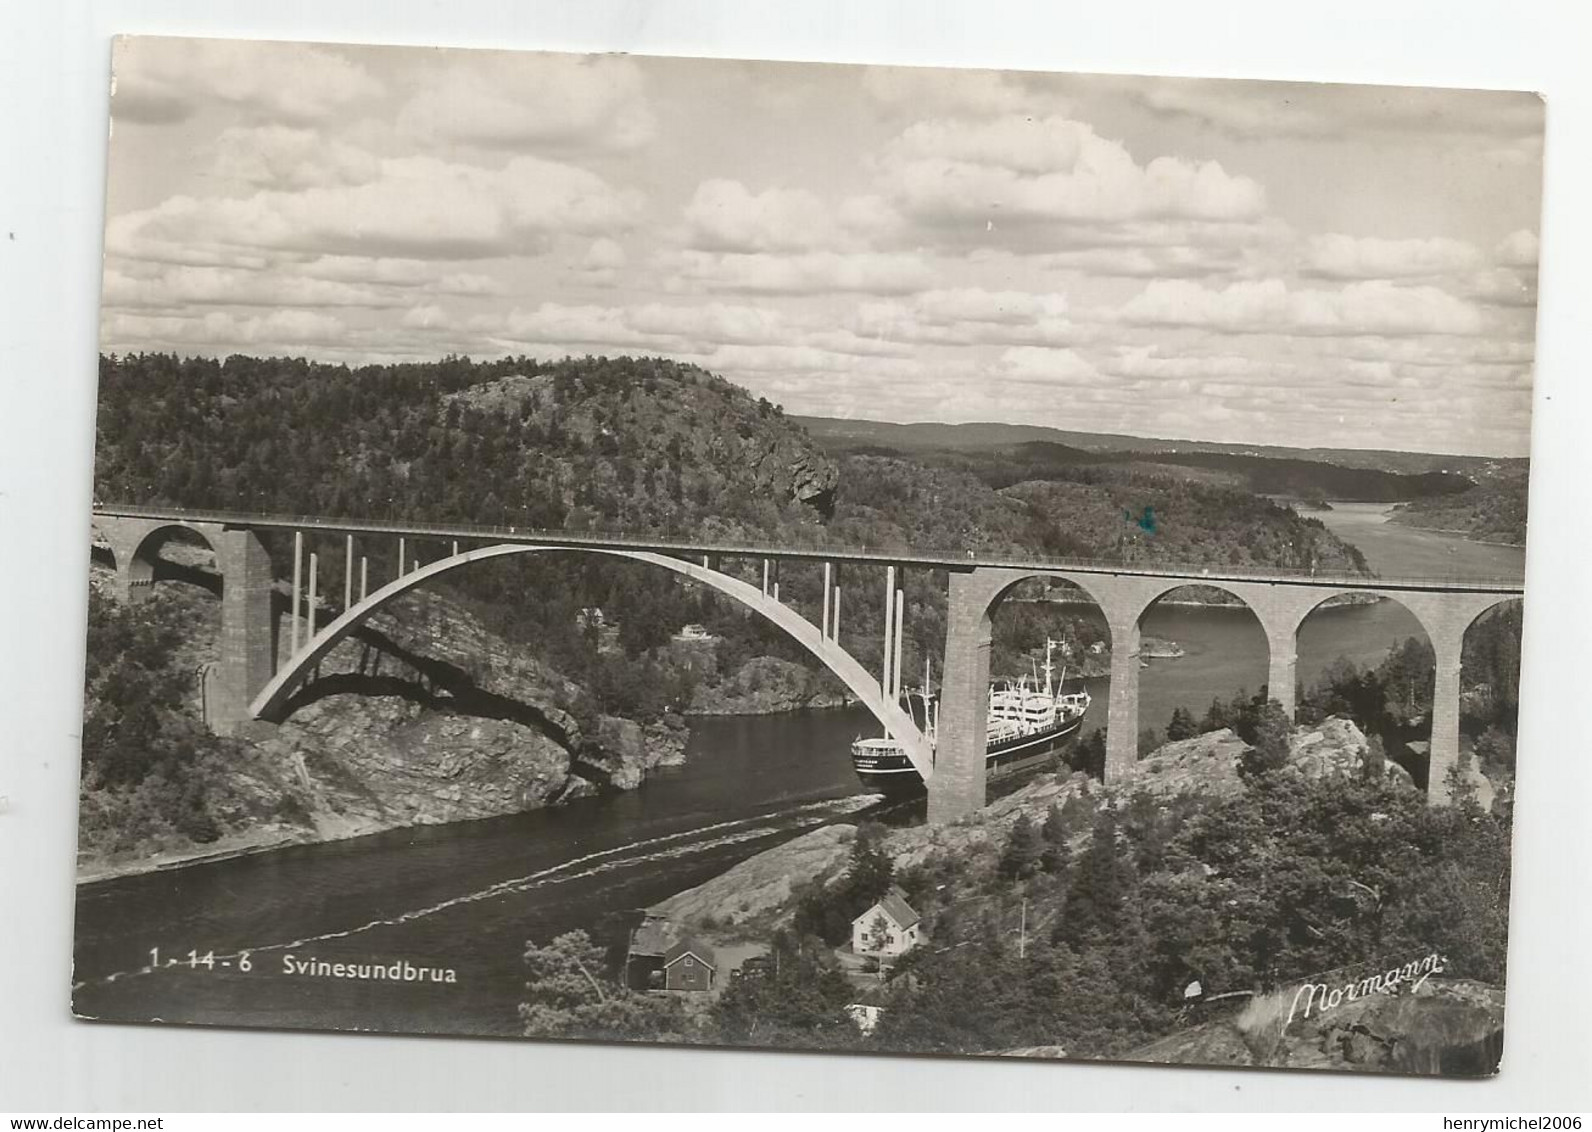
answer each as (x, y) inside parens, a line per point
(54, 64)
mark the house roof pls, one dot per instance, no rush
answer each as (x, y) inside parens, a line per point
(653, 937)
(684, 947)
(894, 904)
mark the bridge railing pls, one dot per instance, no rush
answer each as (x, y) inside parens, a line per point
(1192, 574)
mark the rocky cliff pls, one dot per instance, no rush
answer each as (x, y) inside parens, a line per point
(424, 716)
(1454, 1027)
(767, 684)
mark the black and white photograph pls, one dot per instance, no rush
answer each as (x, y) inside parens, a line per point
(806, 556)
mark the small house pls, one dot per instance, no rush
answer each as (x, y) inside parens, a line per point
(890, 927)
(689, 966)
(649, 943)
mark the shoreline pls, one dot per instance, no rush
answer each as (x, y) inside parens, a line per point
(170, 860)
(332, 828)
(1458, 533)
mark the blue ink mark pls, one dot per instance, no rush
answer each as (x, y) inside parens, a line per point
(1145, 523)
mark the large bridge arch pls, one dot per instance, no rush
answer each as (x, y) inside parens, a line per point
(273, 697)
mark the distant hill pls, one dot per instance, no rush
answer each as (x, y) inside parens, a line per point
(1013, 453)
(633, 444)
(643, 445)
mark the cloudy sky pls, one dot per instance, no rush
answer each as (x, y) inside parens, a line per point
(1252, 262)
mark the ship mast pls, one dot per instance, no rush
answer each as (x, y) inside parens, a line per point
(1049, 644)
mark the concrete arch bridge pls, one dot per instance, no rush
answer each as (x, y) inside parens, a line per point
(249, 684)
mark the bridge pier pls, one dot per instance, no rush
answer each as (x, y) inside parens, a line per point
(1445, 730)
(1282, 674)
(248, 629)
(957, 787)
(1122, 711)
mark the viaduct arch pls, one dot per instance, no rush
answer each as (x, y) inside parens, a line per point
(1280, 607)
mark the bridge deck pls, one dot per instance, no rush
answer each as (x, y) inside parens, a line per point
(865, 555)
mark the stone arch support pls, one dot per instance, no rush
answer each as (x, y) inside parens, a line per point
(247, 626)
(961, 742)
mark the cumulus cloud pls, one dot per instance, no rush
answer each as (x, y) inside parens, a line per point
(390, 272)
(503, 101)
(805, 273)
(1337, 256)
(167, 80)
(726, 216)
(1151, 260)
(956, 246)
(1320, 110)
(1047, 366)
(1022, 170)
(417, 207)
(971, 316)
(289, 331)
(285, 157)
(1373, 307)
(179, 286)
(933, 90)
(1150, 362)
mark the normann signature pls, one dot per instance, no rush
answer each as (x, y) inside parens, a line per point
(1322, 997)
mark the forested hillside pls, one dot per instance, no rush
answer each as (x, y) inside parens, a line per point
(635, 444)
(624, 444)
(1495, 512)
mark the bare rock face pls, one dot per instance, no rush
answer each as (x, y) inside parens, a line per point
(425, 716)
(386, 761)
(810, 478)
(625, 751)
(762, 685)
(1337, 747)
(1205, 764)
(1453, 1027)
(754, 894)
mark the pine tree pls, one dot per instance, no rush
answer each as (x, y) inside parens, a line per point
(1269, 747)
(1020, 856)
(871, 871)
(1216, 717)
(1182, 725)
(1055, 856)
(1095, 898)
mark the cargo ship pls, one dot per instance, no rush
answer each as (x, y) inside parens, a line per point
(1028, 721)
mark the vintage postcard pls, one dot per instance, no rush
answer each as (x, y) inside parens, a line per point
(866, 559)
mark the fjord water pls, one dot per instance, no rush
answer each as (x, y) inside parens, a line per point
(464, 896)
(467, 896)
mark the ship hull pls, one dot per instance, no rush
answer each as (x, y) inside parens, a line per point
(895, 774)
